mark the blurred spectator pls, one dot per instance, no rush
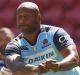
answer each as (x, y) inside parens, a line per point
(6, 35)
(78, 48)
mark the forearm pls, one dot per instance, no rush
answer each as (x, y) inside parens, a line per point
(71, 60)
(67, 63)
(21, 68)
(18, 67)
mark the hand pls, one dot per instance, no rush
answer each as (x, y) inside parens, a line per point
(46, 65)
(51, 65)
(42, 68)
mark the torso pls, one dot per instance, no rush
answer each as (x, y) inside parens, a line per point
(44, 48)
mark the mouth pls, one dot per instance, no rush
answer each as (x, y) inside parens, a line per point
(23, 27)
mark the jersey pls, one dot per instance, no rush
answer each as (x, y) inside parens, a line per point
(50, 41)
(2, 63)
(3, 69)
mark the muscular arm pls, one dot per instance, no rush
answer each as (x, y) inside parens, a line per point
(15, 63)
(67, 48)
(71, 60)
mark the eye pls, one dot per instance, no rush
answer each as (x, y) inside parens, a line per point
(27, 16)
(19, 17)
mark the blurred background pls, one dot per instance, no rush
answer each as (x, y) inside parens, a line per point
(62, 13)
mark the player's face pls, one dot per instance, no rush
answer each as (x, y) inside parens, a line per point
(27, 20)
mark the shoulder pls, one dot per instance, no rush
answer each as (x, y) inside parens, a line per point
(62, 39)
(15, 41)
(13, 46)
(61, 31)
(62, 35)
(54, 29)
(49, 28)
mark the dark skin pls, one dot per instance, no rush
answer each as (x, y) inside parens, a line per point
(70, 60)
(28, 22)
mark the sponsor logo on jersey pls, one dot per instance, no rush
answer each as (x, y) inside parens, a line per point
(45, 43)
(62, 39)
(36, 59)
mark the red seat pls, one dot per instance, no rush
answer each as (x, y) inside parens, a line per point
(64, 2)
(43, 4)
(53, 14)
(2, 23)
(7, 16)
(73, 15)
(3, 3)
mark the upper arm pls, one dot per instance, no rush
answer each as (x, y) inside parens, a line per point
(14, 61)
(71, 49)
(12, 48)
(64, 43)
(11, 58)
(12, 53)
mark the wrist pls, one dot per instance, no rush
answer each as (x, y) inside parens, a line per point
(36, 69)
(58, 67)
(55, 68)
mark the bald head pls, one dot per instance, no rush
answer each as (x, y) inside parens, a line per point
(6, 35)
(6, 32)
(28, 17)
(28, 5)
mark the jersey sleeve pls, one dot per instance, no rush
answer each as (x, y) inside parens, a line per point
(62, 39)
(12, 48)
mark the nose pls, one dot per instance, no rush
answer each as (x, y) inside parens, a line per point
(21, 20)
(24, 20)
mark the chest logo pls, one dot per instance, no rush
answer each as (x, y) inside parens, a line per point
(45, 43)
(34, 48)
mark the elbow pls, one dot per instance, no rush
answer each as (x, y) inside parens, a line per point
(75, 56)
(76, 60)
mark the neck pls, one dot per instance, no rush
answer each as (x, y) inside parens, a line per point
(31, 37)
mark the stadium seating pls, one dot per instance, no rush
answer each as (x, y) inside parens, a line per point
(63, 13)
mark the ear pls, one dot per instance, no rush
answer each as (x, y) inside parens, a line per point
(39, 18)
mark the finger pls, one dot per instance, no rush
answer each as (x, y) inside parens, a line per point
(43, 69)
(39, 73)
(50, 60)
